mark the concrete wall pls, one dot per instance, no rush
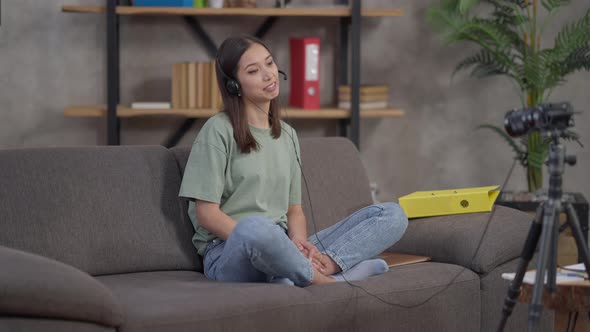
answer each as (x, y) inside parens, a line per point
(50, 59)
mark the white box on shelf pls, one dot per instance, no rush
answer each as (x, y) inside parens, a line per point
(150, 105)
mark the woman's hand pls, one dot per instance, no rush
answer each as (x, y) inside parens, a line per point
(298, 234)
(318, 260)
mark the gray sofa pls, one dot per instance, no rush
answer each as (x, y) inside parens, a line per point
(96, 239)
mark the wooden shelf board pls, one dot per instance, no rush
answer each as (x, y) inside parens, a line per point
(382, 12)
(288, 112)
(83, 9)
(303, 11)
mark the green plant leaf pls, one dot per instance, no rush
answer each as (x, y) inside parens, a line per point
(466, 5)
(485, 64)
(505, 13)
(572, 37)
(551, 5)
(537, 154)
(578, 59)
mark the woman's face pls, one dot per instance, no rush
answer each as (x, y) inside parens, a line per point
(258, 75)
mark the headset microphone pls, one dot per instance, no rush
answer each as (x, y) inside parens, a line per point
(284, 75)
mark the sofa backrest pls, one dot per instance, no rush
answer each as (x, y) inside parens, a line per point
(101, 209)
(336, 179)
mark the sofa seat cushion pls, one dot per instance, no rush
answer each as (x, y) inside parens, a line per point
(187, 301)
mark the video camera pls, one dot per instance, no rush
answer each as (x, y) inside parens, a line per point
(547, 117)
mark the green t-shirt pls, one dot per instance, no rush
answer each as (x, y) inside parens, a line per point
(263, 182)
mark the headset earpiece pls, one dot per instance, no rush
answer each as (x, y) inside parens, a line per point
(232, 86)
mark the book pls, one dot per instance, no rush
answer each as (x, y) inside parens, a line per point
(200, 78)
(365, 89)
(184, 85)
(364, 98)
(163, 3)
(150, 105)
(364, 105)
(445, 202)
(241, 3)
(396, 259)
(206, 85)
(213, 84)
(192, 85)
(569, 274)
(176, 69)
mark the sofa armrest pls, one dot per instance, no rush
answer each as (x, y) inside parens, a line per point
(32, 285)
(455, 238)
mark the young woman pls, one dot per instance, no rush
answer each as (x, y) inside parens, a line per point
(243, 180)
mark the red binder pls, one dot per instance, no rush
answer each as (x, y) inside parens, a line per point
(305, 73)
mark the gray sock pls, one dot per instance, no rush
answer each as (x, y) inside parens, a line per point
(363, 270)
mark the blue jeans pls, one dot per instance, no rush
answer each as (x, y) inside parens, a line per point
(258, 249)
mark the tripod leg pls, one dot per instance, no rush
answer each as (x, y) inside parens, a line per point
(552, 258)
(569, 321)
(572, 219)
(536, 306)
(574, 321)
(525, 257)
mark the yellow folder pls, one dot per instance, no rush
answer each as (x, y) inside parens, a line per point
(453, 201)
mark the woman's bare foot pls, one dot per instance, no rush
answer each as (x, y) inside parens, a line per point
(319, 278)
(331, 266)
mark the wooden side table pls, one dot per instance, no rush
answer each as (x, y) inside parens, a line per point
(567, 250)
(571, 303)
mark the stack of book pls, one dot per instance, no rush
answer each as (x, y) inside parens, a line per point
(163, 3)
(241, 3)
(371, 96)
(194, 85)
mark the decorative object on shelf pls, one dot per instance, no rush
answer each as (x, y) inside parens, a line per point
(241, 3)
(163, 3)
(305, 72)
(200, 3)
(509, 34)
(371, 97)
(194, 86)
(150, 105)
(215, 3)
(281, 3)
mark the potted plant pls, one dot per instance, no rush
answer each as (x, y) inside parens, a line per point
(509, 34)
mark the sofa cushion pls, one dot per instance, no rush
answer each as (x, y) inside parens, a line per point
(103, 209)
(456, 239)
(336, 179)
(32, 285)
(187, 301)
(28, 324)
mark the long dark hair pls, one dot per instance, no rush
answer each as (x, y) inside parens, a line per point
(228, 56)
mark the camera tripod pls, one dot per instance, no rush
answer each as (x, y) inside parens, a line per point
(545, 228)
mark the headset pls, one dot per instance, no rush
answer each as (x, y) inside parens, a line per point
(232, 86)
